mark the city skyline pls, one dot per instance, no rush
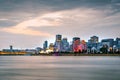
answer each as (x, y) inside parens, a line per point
(28, 23)
(61, 39)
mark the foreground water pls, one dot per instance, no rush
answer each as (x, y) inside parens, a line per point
(59, 68)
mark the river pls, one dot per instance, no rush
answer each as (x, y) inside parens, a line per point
(59, 68)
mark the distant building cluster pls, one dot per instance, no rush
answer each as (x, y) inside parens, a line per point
(77, 45)
(80, 46)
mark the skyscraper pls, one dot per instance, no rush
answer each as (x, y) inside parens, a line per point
(65, 44)
(92, 43)
(108, 42)
(58, 43)
(51, 46)
(58, 38)
(76, 43)
(11, 48)
(76, 39)
(118, 42)
(117, 45)
(94, 39)
(45, 45)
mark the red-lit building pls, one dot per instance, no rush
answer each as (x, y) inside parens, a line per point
(79, 46)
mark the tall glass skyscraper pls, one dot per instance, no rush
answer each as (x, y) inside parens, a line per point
(45, 45)
(65, 44)
(94, 39)
(58, 38)
(58, 43)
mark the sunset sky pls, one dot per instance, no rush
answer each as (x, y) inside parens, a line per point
(28, 23)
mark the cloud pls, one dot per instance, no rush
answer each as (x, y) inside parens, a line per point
(3, 19)
(44, 18)
(7, 23)
(25, 27)
(26, 9)
(37, 6)
(73, 19)
(31, 32)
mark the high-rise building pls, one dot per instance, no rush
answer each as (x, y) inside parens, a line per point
(58, 38)
(118, 42)
(84, 46)
(51, 46)
(45, 45)
(58, 43)
(11, 48)
(118, 45)
(65, 44)
(93, 43)
(76, 43)
(108, 42)
(64, 40)
(94, 39)
(76, 39)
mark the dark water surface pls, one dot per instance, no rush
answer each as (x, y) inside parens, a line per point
(59, 68)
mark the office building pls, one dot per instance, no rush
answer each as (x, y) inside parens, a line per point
(65, 44)
(58, 38)
(45, 45)
(58, 43)
(94, 39)
(76, 44)
(11, 48)
(108, 42)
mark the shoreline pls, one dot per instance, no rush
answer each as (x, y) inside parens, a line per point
(76, 55)
(63, 54)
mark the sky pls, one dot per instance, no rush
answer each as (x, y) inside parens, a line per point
(28, 23)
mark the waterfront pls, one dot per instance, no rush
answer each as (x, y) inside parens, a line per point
(59, 68)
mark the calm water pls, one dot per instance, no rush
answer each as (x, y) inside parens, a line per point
(59, 68)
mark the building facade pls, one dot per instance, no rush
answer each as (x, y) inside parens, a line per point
(45, 45)
(58, 43)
